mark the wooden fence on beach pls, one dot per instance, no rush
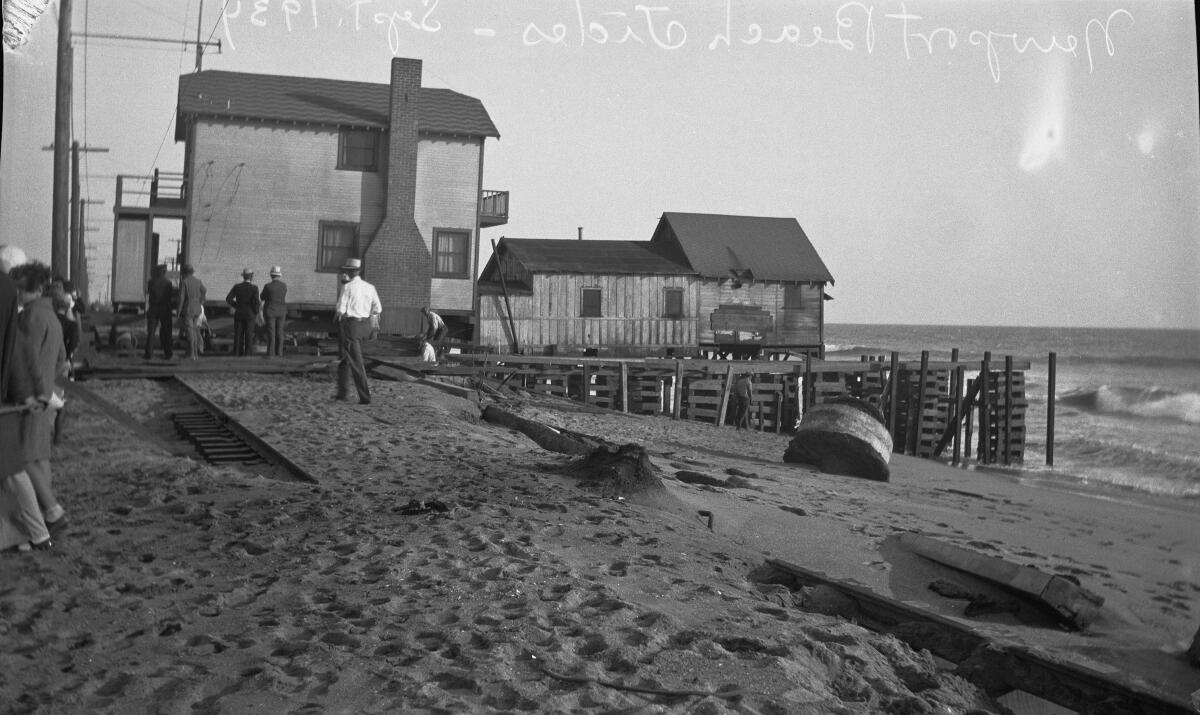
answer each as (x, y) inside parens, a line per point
(929, 407)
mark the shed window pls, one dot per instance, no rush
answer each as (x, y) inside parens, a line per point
(337, 241)
(589, 305)
(673, 303)
(450, 251)
(357, 150)
(793, 296)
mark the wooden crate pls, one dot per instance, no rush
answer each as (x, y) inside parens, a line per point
(702, 400)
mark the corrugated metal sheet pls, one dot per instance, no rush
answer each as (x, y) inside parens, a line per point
(773, 249)
(240, 95)
(540, 255)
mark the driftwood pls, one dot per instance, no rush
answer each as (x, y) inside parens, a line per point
(546, 437)
(615, 470)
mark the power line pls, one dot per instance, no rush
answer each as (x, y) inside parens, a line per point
(218, 22)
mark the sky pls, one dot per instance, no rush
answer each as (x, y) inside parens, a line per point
(953, 162)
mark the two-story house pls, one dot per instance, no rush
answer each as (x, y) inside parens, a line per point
(304, 173)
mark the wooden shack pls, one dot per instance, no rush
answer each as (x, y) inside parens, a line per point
(703, 285)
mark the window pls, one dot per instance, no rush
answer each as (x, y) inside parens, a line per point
(673, 303)
(451, 249)
(357, 149)
(792, 296)
(338, 240)
(589, 305)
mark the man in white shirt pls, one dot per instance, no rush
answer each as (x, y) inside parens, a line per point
(357, 317)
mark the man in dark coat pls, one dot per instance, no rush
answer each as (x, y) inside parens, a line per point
(22, 524)
(244, 300)
(274, 301)
(160, 301)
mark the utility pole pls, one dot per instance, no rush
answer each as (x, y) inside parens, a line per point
(59, 240)
(76, 256)
(199, 46)
(67, 263)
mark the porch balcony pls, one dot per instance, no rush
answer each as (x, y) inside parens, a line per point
(162, 194)
(493, 208)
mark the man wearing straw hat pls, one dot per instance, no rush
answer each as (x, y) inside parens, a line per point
(274, 302)
(357, 317)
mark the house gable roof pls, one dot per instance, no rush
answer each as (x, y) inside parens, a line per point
(365, 105)
(766, 248)
(547, 255)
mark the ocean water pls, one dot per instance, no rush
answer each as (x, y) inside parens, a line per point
(1127, 402)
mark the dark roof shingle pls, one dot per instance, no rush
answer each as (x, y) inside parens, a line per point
(770, 248)
(543, 255)
(239, 95)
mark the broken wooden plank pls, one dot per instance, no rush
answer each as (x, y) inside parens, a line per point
(990, 663)
(1075, 605)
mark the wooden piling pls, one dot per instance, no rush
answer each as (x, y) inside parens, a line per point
(1008, 408)
(959, 373)
(985, 440)
(677, 406)
(624, 387)
(893, 398)
(586, 379)
(1050, 410)
(725, 390)
(969, 419)
(805, 402)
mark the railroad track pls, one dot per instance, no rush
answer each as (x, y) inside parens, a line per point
(213, 440)
(211, 433)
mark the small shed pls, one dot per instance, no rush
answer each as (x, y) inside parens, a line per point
(550, 296)
(762, 283)
(704, 284)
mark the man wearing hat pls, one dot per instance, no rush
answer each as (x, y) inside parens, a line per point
(243, 298)
(160, 299)
(191, 307)
(357, 316)
(274, 302)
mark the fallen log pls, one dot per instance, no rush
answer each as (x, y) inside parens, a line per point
(612, 469)
(546, 437)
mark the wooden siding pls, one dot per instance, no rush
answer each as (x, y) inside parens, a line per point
(448, 197)
(257, 196)
(793, 326)
(632, 314)
(260, 191)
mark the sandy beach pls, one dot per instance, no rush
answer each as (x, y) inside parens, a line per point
(180, 586)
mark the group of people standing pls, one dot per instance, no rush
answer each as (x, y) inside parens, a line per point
(251, 308)
(33, 358)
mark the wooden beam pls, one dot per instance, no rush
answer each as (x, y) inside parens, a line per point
(725, 396)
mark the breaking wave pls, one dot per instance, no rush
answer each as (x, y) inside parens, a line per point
(1149, 403)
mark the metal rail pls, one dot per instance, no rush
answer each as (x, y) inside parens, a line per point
(230, 429)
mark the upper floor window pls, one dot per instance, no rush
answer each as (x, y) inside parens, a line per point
(451, 253)
(672, 302)
(336, 241)
(589, 304)
(358, 149)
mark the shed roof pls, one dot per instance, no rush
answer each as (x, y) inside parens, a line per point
(240, 95)
(547, 255)
(770, 248)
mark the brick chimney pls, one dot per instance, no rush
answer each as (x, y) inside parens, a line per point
(398, 260)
